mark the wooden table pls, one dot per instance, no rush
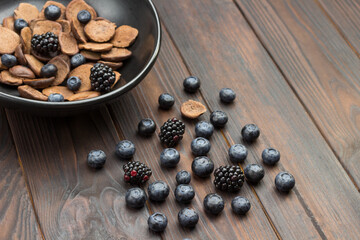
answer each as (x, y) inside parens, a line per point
(295, 67)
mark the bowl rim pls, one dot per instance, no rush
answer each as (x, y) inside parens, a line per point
(102, 98)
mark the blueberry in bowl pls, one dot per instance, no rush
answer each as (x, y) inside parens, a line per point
(139, 14)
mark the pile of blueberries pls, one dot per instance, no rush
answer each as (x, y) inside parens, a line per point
(202, 166)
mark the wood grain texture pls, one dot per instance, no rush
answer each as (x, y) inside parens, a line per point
(345, 15)
(72, 200)
(319, 65)
(167, 76)
(219, 46)
(17, 217)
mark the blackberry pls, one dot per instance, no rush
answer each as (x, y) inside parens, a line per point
(172, 132)
(46, 44)
(102, 77)
(229, 178)
(136, 173)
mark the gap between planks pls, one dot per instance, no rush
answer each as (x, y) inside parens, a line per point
(338, 29)
(299, 99)
(25, 179)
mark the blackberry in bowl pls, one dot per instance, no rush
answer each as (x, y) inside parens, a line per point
(46, 44)
(102, 78)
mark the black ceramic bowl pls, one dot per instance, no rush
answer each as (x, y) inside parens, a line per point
(140, 14)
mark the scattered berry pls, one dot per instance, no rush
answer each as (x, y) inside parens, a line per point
(172, 132)
(169, 158)
(73, 83)
(184, 193)
(136, 173)
(183, 177)
(214, 203)
(204, 129)
(284, 182)
(240, 205)
(188, 217)
(20, 24)
(48, 70)
(158, 191)
(157, 222)
(191, 84)
(96, 159)
(254, 173)
(202, 166)
(46, 44)
(227, 95)
(219, 119)
(200, 146)
(229, 178)
(146, 127)
(270, 156)
(84, 16)
(135, 197)
(102, 77)
(125, 149)
(77, 60)
(238, 153)
(52, 12)
(8, 60)
(250, 133)
(56, 97)
(166, 101)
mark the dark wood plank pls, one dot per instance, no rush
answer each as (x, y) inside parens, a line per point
(142, 102)
(17, 219)
(72, 200)
(219, 46)
(319, 65)
(345, 15)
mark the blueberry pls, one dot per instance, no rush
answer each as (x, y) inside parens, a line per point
(135, 197)
(77, 60)
(214, 203)
(219, 118)
(227, 95)
(240, 205)
(284, 182)
(188, 217)
(158, 191)
(202, 166)
(84, 16)
(184, 193)
(146, 127)
(96, 159)
(254, 173)
(200, 146)
(48, 70)
(238, 153)
(52, 12)
(250, 133)
(56, 97)
(191, 84)
(166, 101)
(8, 60)
(170, 158)
(125, 149)
(73, 83)
(270, 156)
(183, 177)
(204, 129)
(20, 24)
(157, 222)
